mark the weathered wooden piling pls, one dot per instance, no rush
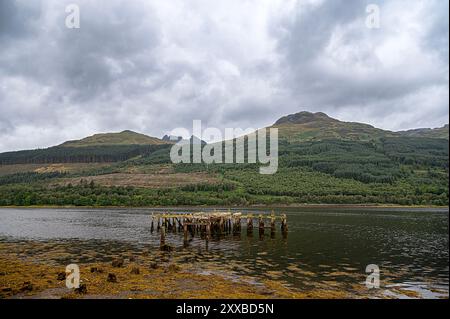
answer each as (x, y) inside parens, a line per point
(221, 226)
(284, 227)
(185, 231)
(163, 237)
(215, 224)
(261, 225)
(250, 224)
(208, 231)
(272, 223)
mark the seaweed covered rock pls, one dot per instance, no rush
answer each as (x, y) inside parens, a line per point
(118, 262)
(111, 278)
(173, 268)
(82, 289)
(154, 266)
(61, 276)
(27, 286)
(135, 271)
(166, 247)
(96, 269)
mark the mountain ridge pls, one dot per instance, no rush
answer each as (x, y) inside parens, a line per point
(126, 137)
(307, 126)
(297, 127)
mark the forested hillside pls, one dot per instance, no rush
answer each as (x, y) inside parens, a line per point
(99, 148)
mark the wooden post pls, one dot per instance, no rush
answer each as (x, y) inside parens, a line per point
(237, 221)
(180, 226)
(238, 224)
(191, 227)
(272, 224)
(284, 227)
(208, 230)
(152, 226)
(163, 237)
(185, 232)
(261, 225)
(221, 226)
(250, 224)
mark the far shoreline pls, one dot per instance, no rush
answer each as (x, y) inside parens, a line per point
(237, 207)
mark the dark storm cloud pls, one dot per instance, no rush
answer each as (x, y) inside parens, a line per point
(151, 66)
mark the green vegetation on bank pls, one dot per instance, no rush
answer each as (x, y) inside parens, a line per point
(330, 171)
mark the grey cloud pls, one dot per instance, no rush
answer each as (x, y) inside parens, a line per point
(380, 88)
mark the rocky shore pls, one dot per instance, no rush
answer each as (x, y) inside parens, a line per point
(36, 270)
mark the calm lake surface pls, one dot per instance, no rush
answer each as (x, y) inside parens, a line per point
(325, 247)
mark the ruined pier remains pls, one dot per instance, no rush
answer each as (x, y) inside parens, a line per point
(215, 224)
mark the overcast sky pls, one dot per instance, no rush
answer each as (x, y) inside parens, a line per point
(151, 66)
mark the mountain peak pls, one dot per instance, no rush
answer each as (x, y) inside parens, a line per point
(303, 118)
(307, 126)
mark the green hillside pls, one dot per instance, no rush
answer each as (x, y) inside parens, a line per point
(99, 148)
(440, 132)
(321, 160)
(306, 126)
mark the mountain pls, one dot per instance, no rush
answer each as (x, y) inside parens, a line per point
(320, 160)
(294, 128)
(306, 126)
(99, 148)
(171, 138)
(123, 138)
(441, 132)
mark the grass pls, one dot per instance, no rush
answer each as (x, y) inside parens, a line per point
(142, 180)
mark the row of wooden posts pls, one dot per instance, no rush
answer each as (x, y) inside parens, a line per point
(214, 224)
